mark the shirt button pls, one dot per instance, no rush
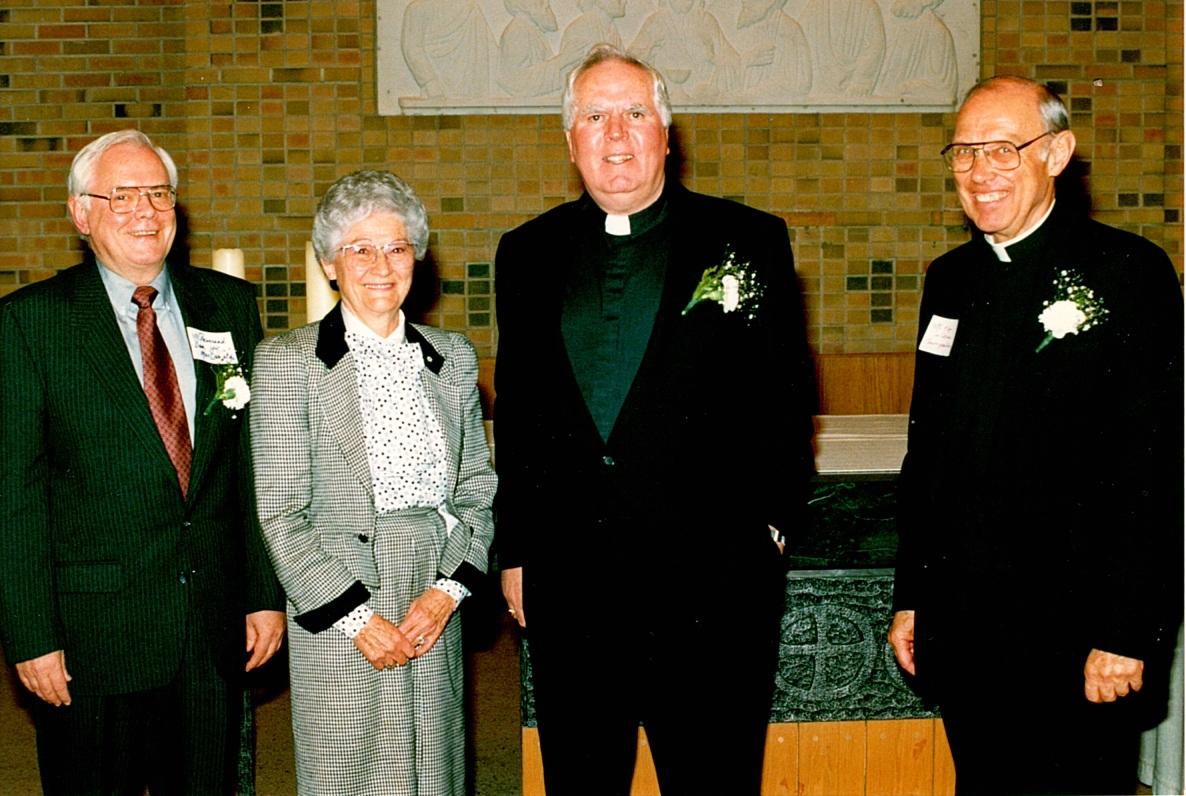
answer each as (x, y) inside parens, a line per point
(182, 579)
(608, 461)
(362, 537)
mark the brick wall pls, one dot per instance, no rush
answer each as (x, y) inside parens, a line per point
(263, 104)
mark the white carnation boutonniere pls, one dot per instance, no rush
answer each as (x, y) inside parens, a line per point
(733, 284)
(1075, 308)
(230, 388)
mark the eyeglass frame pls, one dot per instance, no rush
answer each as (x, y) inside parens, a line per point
(141, 190)
(388, 249)
(978, 147)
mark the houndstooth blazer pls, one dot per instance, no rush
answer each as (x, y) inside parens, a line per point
(313, 483)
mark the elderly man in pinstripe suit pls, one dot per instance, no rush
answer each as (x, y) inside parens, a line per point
(132, 576)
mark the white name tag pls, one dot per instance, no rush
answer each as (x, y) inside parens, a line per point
(940, 336)
(217, 348)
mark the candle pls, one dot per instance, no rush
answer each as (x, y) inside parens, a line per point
(229, 261)
(319, 296)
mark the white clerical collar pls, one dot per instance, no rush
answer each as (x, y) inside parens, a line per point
(354, 324)
(1000, 248)
(617, 225)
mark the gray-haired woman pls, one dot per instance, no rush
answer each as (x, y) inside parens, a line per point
(374, 486)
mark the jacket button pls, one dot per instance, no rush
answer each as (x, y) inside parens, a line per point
(608, 461)
(362, 537)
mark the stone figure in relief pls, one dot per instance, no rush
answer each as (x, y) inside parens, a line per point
(446, 44)
(684, 42)
(788, 74)
(847, 40)
(920, 61)
(595, 25)
(527, 67)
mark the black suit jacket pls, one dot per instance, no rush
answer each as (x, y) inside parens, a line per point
(1041, 494)
(102, 557)
(712, 443)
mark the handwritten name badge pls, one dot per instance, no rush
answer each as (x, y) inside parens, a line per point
(217, 348)
(940, 336)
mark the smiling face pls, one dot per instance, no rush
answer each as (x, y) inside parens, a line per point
(375, 293)
(1006, 203)
(134, 244)
(617, 141)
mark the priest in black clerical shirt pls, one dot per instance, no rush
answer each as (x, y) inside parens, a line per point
(653, 433)
(1038, 591)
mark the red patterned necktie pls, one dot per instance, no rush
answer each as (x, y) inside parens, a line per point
(161, 388)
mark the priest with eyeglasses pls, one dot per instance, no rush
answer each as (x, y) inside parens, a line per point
(1038, 591)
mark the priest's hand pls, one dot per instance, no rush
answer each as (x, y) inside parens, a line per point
(1107, 676)
(901, 638)
(512, 590)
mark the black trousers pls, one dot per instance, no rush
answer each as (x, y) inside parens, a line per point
(700, 683)
(182, 738)
(1042, 747)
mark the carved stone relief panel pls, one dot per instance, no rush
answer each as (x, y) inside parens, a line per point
(510, 56)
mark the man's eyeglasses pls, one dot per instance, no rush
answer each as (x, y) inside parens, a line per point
(1003, 155)
(365, 254)
(125, 200)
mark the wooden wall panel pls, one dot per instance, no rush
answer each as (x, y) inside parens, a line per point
(901, 757)
(832, 758)
(849, 384)
(533, 768)
(780, 774)
(865, 384)
(944, 767)
(646, 782)
(891, 757)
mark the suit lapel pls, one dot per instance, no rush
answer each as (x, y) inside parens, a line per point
(199, 309)
(687, 261)
(339, 395)
(96, 329)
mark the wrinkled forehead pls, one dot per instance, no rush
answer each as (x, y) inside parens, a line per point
(999, 114)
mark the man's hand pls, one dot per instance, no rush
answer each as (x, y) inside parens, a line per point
(426, 619)
(47, 677)
(1107, 677)
(382, 644)
(901, 638)
(265, 633)
(512, 590)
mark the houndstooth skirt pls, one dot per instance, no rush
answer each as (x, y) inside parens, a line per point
(397, 732)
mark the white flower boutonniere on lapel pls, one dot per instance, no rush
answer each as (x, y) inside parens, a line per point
(733, 284)
(1075, 308)
(230, 387)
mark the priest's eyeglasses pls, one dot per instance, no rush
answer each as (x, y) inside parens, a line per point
(364, 254)
(125, 200)
(1003, 155)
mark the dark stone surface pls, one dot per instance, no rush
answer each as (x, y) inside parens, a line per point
(834, 661)
(850, 524)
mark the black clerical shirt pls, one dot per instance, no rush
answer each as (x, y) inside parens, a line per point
(611, 299)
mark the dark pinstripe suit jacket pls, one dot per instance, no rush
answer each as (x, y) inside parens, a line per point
(101, 556)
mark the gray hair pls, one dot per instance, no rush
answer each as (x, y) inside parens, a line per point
(600, 53)
(82, 169)
(354, 197)
(1050, 106)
